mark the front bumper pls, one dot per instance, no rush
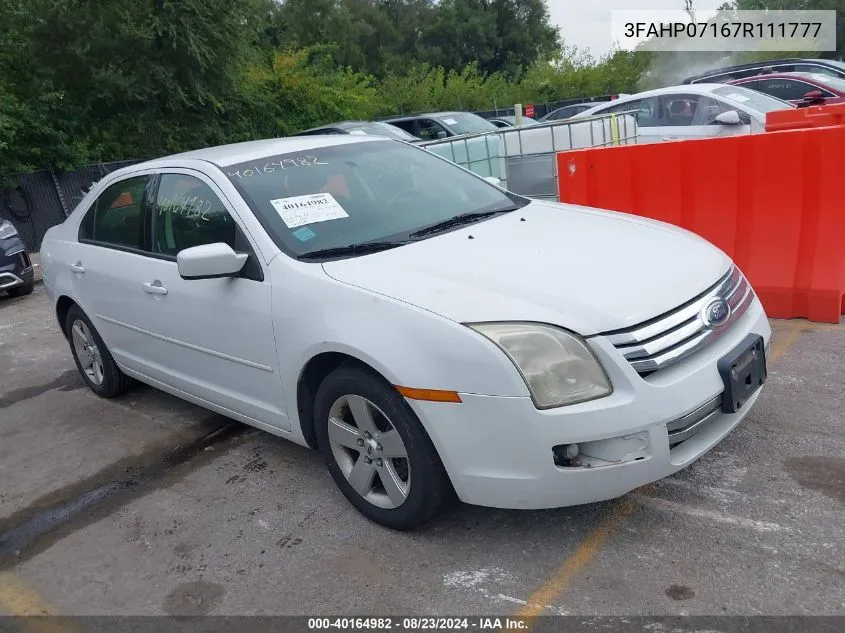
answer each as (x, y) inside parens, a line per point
(498, 451)
(15, 267)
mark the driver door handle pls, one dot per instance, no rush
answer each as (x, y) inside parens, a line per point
(155, 288)
(78, 268)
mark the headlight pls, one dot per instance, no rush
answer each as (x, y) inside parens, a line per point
(7, 229)
(557, 366)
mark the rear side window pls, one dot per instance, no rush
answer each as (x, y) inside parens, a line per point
(786, 89)
(188, 213)
(117, 217)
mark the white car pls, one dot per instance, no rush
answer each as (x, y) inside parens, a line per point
(429, 332)
(693, 111)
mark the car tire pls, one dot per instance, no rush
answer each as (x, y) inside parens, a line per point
(92, 357)
(420, 475)
(20, 291)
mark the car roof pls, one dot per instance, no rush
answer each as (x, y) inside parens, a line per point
(433, 115)
(817, 77)
(224, 155)
(772, 62)
(339, 125)
(701, 89)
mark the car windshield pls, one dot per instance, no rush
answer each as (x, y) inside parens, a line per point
(467, 123)
(355, 193)
(837, 83)
(751, 99)
(382, 129)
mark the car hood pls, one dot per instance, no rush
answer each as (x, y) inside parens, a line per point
(583, 269)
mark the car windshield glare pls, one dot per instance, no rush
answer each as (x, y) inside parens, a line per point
(837, 83)
(354, 193)
(751, 99)
(468, 123)
(383, 129)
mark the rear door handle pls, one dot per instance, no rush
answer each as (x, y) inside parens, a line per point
(77, 268)
(155, 288)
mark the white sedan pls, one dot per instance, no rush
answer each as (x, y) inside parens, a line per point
(430, 333)
(693, 111)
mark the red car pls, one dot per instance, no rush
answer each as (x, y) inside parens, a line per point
(798, 88)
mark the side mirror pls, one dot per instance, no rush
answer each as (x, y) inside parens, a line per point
(493, 180)
(210, 261)
(441, 134)
(731, 117)
(814, 96)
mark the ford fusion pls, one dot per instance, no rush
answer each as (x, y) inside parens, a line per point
(432, 334)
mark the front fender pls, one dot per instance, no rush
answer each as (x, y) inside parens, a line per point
(409, 346)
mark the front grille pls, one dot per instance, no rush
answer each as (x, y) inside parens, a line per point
(684, 428)
(671, 337)
(24, 259)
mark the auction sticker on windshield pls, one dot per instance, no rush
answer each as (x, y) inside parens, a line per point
(302, 210)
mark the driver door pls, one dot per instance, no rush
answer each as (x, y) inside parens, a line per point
(212, 338)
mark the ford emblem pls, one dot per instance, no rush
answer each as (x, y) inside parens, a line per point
(716, 313)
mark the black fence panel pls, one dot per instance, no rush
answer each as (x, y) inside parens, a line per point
(36, 201)
(74, 184)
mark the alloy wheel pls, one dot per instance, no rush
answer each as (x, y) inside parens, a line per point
(369, 451)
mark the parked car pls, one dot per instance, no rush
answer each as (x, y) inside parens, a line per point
(373, 128)
(797, 88)
(693, 111)
(350, 293)
(439, 125)
(16, 273)
(789, 65)
(510, 121)
(566, 112)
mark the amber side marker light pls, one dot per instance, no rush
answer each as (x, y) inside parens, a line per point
(432, 395)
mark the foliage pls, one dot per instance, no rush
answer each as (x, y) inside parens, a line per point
(82, 82)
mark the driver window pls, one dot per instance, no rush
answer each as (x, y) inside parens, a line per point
(678, 110)
(188, 213)
(708, 109)
(429, 129)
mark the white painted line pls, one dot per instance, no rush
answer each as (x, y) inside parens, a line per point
(476, 579)
(718, 517)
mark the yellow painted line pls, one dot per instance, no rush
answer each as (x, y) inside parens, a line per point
(782, 343)
(788, 333)
(17, 599)
(578, 560)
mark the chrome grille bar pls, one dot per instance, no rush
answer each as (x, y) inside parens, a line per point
(671, 337)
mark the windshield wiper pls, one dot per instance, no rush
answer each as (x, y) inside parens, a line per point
(352, 249)
(460, 220)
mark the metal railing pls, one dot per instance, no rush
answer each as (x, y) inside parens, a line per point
(524, 158)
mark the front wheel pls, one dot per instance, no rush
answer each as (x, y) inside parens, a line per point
(377, 450)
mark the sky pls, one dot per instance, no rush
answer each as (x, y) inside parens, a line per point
(586, 23)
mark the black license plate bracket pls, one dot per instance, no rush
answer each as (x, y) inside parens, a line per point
(743, 372)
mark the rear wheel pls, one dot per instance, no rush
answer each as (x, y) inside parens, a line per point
(377, 450)
(92, 357)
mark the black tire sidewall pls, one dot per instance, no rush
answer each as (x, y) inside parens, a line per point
(429, 482)
(114, 382)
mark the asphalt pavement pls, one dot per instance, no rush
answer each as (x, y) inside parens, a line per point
(148, 505)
